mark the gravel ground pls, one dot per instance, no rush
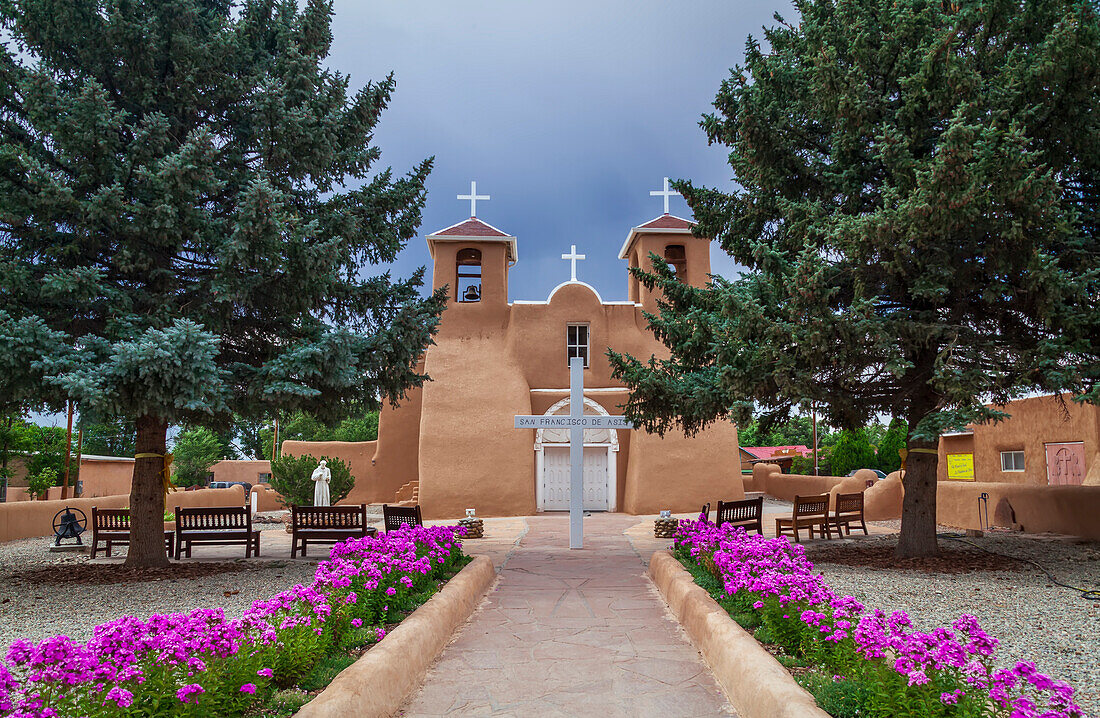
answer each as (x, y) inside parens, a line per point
(1034, 619)
(36, 611)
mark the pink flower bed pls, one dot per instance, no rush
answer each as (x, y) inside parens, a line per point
(203, 664)
(950, 671)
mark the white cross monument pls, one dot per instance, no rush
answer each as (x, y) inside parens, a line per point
(576, 421)
(573, 257)
(474, 197)
(666, 193)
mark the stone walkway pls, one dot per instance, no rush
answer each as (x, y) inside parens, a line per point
(570, 633)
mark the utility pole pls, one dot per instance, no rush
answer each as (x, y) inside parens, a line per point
(68, 452)
(813, 411)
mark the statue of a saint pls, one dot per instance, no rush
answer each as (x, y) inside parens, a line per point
(322, 475)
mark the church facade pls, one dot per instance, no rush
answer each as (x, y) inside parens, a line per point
(451, 445)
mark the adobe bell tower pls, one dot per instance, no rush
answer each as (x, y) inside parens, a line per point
(472, 257)
(669, 237)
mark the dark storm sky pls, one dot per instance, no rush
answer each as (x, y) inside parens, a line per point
(566, 113)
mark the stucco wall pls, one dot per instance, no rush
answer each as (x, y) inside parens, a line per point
(1034, 423)
(27, 519)
(1072, 510)
(249, 471)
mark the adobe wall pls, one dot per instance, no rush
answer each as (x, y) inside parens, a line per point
(106, 477)
(1071, 510)
(682, 474)
(1034, 422)
(881, 502)
(249, 471)
(27, 519)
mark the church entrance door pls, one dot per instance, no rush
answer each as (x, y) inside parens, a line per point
(555, 478)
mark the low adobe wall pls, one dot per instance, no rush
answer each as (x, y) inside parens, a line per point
(881, 502)
(267, 499)
(753, 681)
(1071, 510)
(250, 471)
(27, 519)
(377, 684)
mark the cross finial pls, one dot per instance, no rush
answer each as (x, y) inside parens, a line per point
(666, 193)
(573, 257)
(473, 197)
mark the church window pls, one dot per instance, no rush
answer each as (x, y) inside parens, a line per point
(468, 275)
(576, 342)
(677, 258)
(1012, 461)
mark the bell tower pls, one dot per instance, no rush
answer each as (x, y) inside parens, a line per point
(472, 258)
(670, 238)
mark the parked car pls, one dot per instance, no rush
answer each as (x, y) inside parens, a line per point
(879, 474)
(227, 484)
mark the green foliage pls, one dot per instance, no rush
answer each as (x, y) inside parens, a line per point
(910, 178)
(285, 704)
(887, 457)
(852, 451)
(191, 210)
(16, 439)
(305, 427)
(290, 476)
(840, 699)
(326, 671)
(111, 437)
(196, 450)
(41, 481)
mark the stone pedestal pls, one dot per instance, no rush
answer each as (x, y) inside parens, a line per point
(665, 528)
(475, 528)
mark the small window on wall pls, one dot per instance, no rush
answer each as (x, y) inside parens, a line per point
(263, 478)
(677, 259)
(576, 343)
(1012, 461)
(468, 275)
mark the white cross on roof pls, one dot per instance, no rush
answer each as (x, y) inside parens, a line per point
(666, 193)
(573, 257)
(473, 197)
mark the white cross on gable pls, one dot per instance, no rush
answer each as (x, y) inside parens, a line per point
(473, 197)
(666, 193)
(573, 257)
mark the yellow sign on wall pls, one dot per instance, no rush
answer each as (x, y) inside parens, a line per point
(960, 467)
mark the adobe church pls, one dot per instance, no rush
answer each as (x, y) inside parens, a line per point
(451, 444)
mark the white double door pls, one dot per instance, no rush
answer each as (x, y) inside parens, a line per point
(555, 478)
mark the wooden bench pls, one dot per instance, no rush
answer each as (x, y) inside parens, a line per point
(848, 509)
(810, 512)
(217, 525)
(747, 513)
(327, 524)
(112, 526)
(394, 517)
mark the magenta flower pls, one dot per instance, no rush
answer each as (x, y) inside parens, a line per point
(184, 694)
(249, 688)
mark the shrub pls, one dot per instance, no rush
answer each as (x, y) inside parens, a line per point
(196, 450)
(38, 484)
(853, 450)
(290, 476)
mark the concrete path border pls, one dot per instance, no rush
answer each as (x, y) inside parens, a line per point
(754, 682)
(378, 683)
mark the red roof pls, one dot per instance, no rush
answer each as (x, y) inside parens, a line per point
(473, 227)
(767, 452)
(667, 221)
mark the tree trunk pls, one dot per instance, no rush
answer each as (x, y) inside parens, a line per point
(918, 509)
(147, 496)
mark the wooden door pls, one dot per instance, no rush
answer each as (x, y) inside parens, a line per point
(1065, 464)
(555, 478)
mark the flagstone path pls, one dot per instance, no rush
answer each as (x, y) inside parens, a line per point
(570, 633)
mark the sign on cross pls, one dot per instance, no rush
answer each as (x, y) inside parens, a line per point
(576, 422)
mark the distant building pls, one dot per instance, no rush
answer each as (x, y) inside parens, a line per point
(1045, 442)
(782, 456)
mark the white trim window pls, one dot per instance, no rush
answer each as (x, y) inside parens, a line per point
(576, 342)
(1012, 461)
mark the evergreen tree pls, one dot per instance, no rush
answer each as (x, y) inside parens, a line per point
(916, 211)
(110, 437)
(189, 205)
(195, 451)
(887, 458)
(853, 450)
